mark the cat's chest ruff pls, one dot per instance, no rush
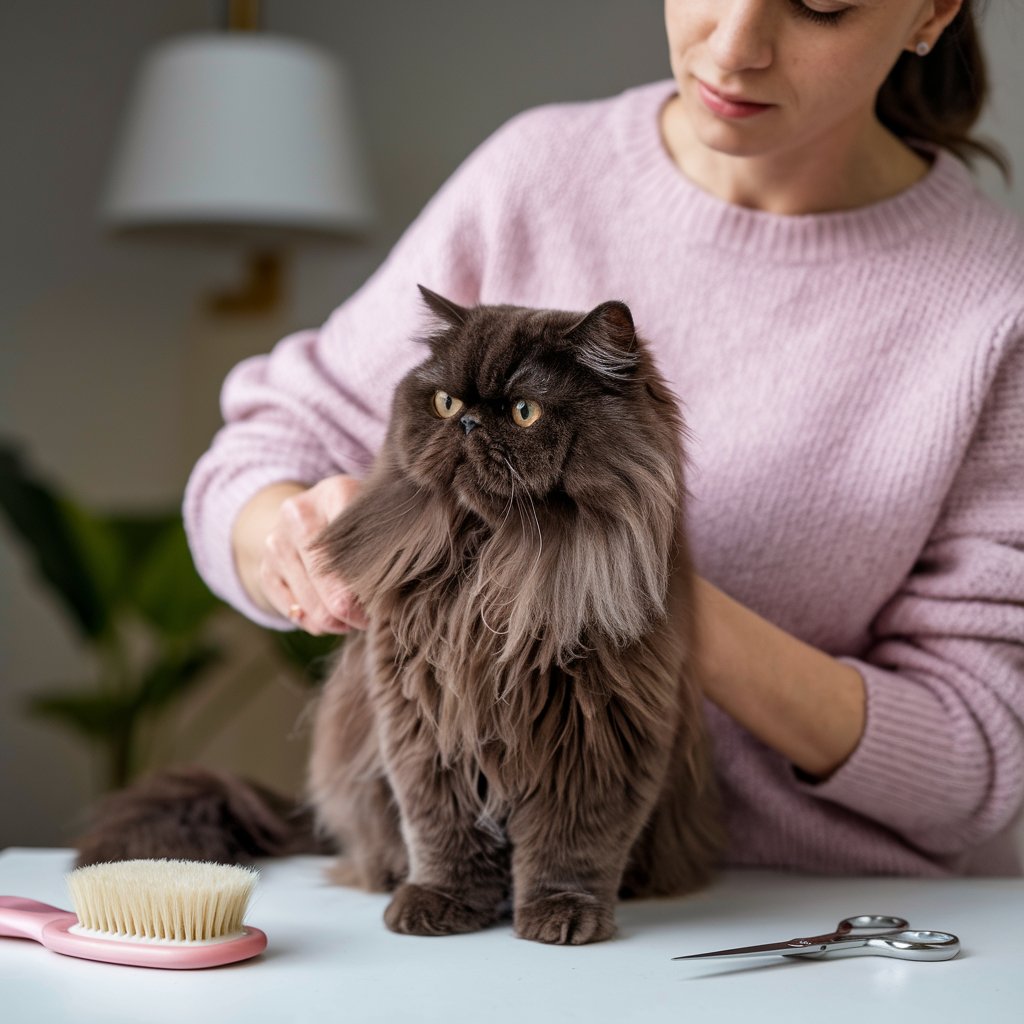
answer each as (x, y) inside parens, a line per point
(461, 613)
(456, 668)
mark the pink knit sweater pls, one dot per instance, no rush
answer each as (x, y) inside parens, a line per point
(854, 385)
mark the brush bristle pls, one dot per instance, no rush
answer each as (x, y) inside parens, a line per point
(175, 900)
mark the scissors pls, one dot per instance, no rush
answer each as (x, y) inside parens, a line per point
(868, 934)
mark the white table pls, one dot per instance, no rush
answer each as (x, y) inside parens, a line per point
(330, 959)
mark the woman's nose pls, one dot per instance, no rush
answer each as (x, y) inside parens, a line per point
(743, 36)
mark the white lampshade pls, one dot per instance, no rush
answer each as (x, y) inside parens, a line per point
(242, 130)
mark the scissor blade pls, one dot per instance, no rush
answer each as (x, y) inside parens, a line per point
(768, 949)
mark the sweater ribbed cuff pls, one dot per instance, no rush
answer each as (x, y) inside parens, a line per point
(902, 773)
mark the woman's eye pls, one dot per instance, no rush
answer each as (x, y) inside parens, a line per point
(446, 406)
(827, 17)
(525, 413)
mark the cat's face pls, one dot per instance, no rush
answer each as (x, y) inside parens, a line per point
(516, 402)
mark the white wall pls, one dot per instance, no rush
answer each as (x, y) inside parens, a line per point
(1003, 31)
(108, 366)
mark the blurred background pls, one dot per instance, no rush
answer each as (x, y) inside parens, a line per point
(114, 344)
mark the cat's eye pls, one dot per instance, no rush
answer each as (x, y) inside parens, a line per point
(446, 406)
(525, 413)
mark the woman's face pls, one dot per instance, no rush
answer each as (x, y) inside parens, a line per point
(810, 70)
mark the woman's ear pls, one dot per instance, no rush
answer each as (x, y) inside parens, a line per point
(932, 25)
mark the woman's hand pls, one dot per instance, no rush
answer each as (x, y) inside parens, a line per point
(271, 540)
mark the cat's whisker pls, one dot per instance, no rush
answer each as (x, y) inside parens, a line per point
(536, 523)
(512, 496)
(515, 476)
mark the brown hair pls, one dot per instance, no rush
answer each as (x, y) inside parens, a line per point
(522, 719)
(939, 97)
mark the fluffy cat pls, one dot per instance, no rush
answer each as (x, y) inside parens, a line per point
(520, 723)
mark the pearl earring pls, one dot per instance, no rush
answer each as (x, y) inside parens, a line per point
(922, 48)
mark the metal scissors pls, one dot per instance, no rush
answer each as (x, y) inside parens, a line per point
(865, 935)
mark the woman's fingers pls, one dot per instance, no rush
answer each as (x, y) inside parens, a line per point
(287, 585)
(317, 603)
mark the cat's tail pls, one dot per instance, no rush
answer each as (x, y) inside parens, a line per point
(194, 813)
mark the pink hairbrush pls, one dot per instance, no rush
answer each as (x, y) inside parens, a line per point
(178, 914)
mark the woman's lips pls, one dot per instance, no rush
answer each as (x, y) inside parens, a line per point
(724, 107)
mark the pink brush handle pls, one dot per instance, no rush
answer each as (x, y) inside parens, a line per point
(25, 919)
(30, 919)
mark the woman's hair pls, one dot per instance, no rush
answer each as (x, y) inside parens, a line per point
(939, 97)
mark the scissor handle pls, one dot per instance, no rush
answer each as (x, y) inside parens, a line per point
(872, 922)
(904, 945)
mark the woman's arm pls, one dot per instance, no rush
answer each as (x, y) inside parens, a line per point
(931, 743)
(796, 699)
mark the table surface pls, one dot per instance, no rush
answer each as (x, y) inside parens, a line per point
(330, 958)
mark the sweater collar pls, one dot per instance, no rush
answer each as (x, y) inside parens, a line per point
(704, 218)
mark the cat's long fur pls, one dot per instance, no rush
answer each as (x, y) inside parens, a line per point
(521, 718)
(520, 724)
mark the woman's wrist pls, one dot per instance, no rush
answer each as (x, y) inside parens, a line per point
(790, 695)
(249, 533)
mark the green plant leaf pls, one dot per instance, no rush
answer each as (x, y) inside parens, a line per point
(313, 655)
(40, 519)
(168, 591)
(139, 532)
(137, 535)
(101, 551)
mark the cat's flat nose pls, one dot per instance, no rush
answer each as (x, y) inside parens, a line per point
(468, 423)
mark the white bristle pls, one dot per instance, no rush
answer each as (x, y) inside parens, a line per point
(170, 900)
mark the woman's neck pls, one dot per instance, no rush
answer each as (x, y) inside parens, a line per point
(862, 166)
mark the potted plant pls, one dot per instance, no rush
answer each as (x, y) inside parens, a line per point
(128, 586)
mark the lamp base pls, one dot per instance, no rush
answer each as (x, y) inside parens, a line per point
(260, 292)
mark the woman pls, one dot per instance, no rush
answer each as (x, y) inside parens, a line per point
(841, 313)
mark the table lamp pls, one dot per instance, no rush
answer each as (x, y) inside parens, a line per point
(241, 135)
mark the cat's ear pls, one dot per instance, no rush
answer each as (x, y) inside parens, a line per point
(450, 312)
(605, 340)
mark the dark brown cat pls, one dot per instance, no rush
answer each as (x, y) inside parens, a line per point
(520, 721)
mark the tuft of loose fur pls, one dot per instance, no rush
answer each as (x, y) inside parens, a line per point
(193, 813)
(521, 719)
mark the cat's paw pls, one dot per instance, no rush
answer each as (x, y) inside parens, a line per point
(566, 919)
(415, 910)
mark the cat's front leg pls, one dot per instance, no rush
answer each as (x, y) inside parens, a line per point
(458, 874)
(571, 840)
(565, 876)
